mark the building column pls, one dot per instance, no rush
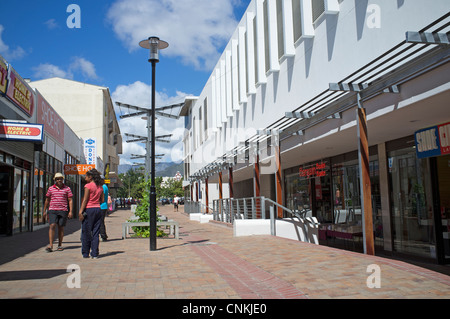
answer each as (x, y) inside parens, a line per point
(278, 179)
(206, 195)
(220, 186)
(256, 180)
(364, 180)
(196, 191)
(384, 192)
(230, 181)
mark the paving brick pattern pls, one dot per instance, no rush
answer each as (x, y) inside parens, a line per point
(249, 281)
(207, 262)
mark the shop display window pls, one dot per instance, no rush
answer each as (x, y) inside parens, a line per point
(347, 219)
(298, 197)
(17, 200)
(329, 190)
(21, 200)
(411, 203)
(443, 174)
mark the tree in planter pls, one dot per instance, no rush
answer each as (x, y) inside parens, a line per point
(143, 216)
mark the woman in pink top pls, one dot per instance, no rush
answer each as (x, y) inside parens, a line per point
(90, 214)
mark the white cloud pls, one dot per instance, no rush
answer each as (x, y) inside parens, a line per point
(139, 94)
(51, 24)
(79, 66)
(8, 53)
(85, 67)
(47, 70)
(194, 29)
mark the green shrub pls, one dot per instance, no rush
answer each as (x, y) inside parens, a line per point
(142, 214)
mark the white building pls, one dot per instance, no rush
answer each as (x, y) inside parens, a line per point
(89, 111)
(278, 116)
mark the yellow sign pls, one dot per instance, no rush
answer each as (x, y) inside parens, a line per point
(3, 74)
(107, 181)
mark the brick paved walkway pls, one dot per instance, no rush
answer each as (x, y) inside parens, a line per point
(207, 262)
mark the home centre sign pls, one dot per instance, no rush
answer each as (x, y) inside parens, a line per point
(16, 131)
(433, 141)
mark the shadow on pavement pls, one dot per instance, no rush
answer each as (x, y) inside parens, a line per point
(18, 245)
(31, 274)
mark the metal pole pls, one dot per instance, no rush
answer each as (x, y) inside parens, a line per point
(152, 199)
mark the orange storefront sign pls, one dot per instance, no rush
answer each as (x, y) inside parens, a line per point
(77, 169)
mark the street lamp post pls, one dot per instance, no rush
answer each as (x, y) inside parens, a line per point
(154, 44)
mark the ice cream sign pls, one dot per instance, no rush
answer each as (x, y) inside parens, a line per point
(433, 141)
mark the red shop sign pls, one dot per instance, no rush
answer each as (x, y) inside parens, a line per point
(21, 131)
(317, 170)
(53, 123)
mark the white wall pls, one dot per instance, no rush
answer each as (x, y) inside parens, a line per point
(80, 105)
(341, 43)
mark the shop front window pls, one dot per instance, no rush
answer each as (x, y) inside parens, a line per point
(322, 194)
(443, 172)
(411, 203)
(17, 200)
(26, 200)
(38, 202)
(330, 191)
(298, 193)
(308, 191)
(36, 196)
(347, 199)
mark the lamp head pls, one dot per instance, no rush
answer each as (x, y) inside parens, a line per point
(154, 44)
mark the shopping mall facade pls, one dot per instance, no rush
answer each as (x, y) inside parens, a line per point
(35, 143)
(338, 109)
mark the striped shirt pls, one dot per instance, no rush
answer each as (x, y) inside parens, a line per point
(58, 197)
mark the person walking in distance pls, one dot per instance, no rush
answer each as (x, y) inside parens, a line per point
(90, 214)
(176, 199)
(104, 210)
(57, 208)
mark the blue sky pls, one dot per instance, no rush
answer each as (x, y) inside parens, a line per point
(36, 39)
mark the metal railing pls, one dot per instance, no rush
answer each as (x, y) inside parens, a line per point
(191, 207)
(229, 209)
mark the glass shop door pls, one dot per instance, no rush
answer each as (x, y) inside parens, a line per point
(443, 218)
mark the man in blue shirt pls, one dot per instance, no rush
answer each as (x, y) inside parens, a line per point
(104, 211)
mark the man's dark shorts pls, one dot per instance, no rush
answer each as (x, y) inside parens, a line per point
(58, 217)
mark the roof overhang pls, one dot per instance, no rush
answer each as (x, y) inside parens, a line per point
(188, 102)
